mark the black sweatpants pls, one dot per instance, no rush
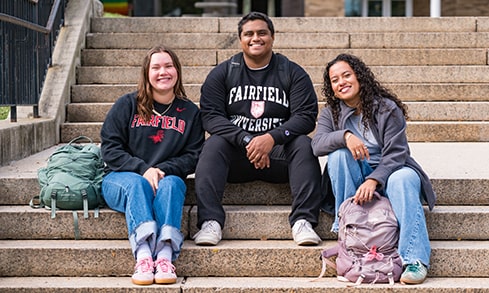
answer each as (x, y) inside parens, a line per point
(294, 162)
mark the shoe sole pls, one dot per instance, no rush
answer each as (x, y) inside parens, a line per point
(139, 282)
(308, 242)
(411, 282)
(206, 242)
(166, 281)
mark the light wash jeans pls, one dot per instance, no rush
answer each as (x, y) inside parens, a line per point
(403, 191)
(155, 218)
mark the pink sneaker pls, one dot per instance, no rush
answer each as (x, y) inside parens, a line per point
(143, 272)
(164, 272)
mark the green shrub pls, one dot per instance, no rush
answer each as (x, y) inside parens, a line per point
(4, 112)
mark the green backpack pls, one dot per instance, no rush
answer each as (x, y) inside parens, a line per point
(72, 179)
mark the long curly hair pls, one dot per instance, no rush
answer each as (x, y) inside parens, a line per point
(145, 90)
(370, 90)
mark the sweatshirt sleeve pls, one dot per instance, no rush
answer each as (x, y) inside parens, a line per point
(115, 138)
(327, 138)
(303, 108)
(213, 107)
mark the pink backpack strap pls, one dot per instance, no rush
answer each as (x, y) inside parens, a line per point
(325, 254)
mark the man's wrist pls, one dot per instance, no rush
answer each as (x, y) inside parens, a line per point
(246, 139)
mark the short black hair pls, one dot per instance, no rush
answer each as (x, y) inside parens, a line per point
(254, 15)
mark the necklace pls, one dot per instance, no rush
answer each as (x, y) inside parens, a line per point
(164, 112)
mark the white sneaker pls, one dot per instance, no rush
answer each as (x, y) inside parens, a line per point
(209, 234)
(304, 234)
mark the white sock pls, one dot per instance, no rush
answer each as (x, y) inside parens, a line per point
(143, 251)
(166, 252)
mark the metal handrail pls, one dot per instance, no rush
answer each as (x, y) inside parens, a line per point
(34, 26)
(29, 94)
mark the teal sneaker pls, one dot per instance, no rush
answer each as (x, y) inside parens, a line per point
(414, 274)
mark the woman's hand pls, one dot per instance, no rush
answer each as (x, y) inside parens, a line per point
(365, 192)
(356, 146)
(154, 175)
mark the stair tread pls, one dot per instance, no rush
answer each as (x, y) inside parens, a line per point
(243, 244)
(230, 258)
(440, 160)
(209, 284)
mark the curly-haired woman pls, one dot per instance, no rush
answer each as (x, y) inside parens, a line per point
(362, 130)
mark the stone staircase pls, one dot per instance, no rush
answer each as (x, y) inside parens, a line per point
(439, 67)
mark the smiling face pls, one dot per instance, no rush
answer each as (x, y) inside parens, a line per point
(162, 74)
(344, 83)
(256, 41)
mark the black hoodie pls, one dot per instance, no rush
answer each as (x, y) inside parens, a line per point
(171, 142)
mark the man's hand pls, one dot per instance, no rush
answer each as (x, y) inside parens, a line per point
(258, 149)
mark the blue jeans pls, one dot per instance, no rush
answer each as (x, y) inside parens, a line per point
(155, 218)
(404, 193)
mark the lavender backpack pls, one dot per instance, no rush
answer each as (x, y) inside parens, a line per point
(368, 237)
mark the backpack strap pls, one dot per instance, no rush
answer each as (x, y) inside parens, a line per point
(81, 137)
(85, 203)
(359, 280)
(75, 225)
(391, 278)
(35, 202)
(282, 65)
(325, 254)
(53, 204)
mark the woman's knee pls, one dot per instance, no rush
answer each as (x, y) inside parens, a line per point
(404, 176)
(124, 181)
(405, 183)
(172, 186)
(338, 156)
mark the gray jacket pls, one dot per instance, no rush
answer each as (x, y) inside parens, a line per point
(389, 130)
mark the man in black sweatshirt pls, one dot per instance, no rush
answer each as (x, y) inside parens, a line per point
(259, 108)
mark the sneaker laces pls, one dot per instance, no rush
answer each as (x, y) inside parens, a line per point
(303, 225)
(144, 265)
(164, 265)
(211, 226)
(415, 268)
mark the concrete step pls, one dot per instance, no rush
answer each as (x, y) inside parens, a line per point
(108, 93)
(457, 170)
(456, 131)
(388, 74)
(435, 131)
(19, 189)
(287, 40)
(242, 258)
(381, 56)
(418, 111)
(294, 24)
(420, 40)
(257, 222)
(304, 57)
(232, 285)
(134, 57)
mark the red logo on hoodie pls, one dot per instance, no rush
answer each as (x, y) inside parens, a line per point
(158, 137)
